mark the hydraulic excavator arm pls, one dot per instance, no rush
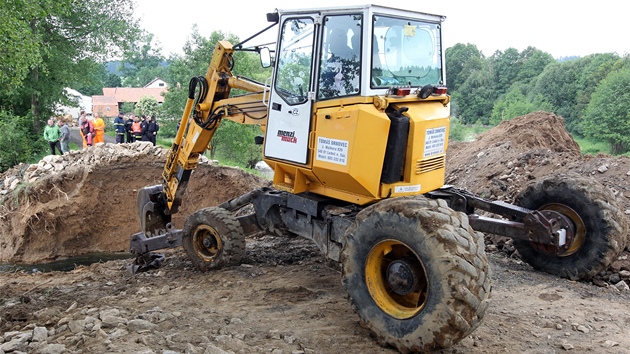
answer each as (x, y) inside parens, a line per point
(207, 104)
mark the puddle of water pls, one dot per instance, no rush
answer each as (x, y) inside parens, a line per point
(64, 265)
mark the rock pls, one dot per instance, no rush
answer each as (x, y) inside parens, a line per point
(76, 326)
(212, 349)
(165, 289)
(138, 325)
(622, 286)
(609, 344)
(602, 168)
(108, 312)
(40, 334)
(53, 349)
(582, 329)
(17, 342)
(112, 321)
(118, 333)
(567, 346)
(614, 278)
(72, 307)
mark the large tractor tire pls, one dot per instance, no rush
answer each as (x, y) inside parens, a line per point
(213, 238)
(599, 225)
(416, 273)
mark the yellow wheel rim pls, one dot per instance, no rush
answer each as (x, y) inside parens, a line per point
(580, 229)
(396, 279)
(207, 243)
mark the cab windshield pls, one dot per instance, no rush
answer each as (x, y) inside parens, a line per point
(405, 52)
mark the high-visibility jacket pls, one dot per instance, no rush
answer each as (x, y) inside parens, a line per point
(136, 129)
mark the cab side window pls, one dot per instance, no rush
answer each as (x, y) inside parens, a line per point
(340, 64)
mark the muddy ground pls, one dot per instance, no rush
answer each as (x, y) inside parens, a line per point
(284, 298)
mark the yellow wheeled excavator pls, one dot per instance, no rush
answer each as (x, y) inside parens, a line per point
(355, 125)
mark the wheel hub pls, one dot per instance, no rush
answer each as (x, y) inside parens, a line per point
(402, 277)
(209, 242)
(572, 225)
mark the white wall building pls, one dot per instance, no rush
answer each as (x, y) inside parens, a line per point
(84, 103)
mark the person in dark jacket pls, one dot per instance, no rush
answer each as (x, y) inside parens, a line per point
(129, 129)
(144, 126)
(152, 129)
(119, 128)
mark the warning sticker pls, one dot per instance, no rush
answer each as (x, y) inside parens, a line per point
(332, 150)
(434, 141)
(407, 189)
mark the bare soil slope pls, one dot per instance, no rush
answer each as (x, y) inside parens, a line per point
(87, 204)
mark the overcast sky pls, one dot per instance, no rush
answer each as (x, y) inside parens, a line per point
(556, 27)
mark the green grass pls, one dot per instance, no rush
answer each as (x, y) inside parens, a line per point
(461, 132)
(592, 147)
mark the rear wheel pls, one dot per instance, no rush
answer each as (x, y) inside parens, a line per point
(213, 238)
(416, 273)
(598, 223)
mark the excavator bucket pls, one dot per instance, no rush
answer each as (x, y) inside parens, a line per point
(151, 208)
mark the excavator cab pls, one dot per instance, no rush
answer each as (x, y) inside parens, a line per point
(358, 109)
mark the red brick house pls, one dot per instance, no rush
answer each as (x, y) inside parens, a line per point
(109, 104)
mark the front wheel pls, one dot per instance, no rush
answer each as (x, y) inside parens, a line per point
(416, 273)
(213, 238)
(598, 223)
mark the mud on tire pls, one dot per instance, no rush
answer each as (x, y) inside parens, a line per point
(213, 238)
(452, 280)
(601, 226)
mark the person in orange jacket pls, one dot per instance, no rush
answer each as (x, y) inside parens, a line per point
(136, 129)
(99, 129)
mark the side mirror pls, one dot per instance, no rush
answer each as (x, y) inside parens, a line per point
(265, 57)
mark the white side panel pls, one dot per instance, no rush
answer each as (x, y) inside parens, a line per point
(287, 134)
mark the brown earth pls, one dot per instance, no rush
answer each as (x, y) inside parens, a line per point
(285, 298)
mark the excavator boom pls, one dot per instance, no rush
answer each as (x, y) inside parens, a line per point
(207, 104)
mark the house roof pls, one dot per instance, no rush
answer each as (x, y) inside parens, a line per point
(133, 94)
(104, 101)
(154, 80)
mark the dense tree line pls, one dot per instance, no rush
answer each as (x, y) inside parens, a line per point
(590, 93)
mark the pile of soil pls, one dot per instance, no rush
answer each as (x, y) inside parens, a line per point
(85, 202)
(503, 161)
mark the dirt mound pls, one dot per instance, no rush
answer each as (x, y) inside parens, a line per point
(85, 202)
(507, 158)
(503, 161)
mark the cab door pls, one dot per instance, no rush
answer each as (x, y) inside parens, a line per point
(289, 118)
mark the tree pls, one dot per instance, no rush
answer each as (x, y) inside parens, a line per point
(143, 63)
(607, 116)
(147, 105)
(235, 142)
(57, 43)
(461, 61)
(19, 45)
(568, 85)
(232, 141)
(17, 143)
(475, 97)
(515, 104)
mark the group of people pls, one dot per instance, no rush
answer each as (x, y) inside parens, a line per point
(92, 131)
(135, 128)
(57, 136)
(143, 128)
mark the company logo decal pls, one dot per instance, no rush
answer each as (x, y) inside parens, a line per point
(287, 136)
